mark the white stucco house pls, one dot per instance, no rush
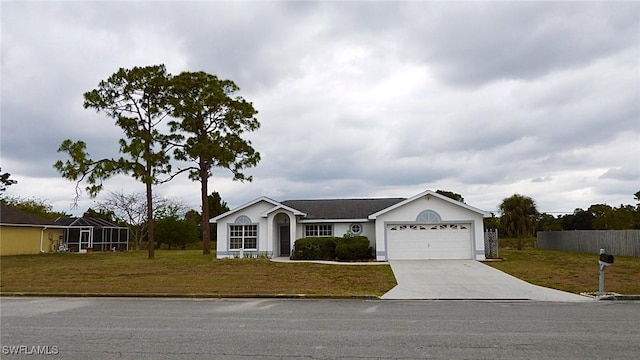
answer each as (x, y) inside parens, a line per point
(425, 226)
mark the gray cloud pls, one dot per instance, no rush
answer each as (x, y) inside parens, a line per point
(626, 173)
(484, 42)
(355, 99)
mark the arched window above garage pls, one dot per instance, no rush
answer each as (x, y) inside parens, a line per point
(428, 216)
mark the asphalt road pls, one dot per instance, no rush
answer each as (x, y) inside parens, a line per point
(116, 328)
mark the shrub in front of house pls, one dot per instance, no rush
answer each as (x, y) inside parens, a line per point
(332, 248)
(354, 248)
(314, 248)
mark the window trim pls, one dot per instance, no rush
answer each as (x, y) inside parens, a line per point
(361, 228)
(315, 230)
(250, 231)
(429, 217)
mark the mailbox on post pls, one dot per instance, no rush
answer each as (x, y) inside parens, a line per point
(605, 260)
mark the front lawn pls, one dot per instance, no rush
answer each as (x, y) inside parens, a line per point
(570, 271)
(185, 272)
(190, 272)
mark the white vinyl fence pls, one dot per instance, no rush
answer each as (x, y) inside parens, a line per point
(615, 242)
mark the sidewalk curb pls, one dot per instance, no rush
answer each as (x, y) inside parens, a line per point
(616, 297)
(191, 296)
(620, 297)
(611, 296)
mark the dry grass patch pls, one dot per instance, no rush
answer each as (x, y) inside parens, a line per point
(570, 271)
(185, 272)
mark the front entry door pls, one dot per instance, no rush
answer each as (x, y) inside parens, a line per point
(285, 241)
(84, 239)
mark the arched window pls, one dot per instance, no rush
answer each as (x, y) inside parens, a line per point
(242, 219)
(243, 234)
(428, 216)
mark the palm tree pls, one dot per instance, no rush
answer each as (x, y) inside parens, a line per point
(519, 216)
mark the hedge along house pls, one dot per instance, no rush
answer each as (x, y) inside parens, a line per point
(22, 233)
(425, 226)
(91, 234)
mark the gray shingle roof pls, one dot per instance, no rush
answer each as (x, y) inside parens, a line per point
(341, 208)
(10, 215)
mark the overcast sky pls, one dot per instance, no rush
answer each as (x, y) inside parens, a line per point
(356, 99)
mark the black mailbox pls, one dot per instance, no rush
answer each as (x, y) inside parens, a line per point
(606, 258)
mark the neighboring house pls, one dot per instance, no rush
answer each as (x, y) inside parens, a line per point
(425, 226)
(91, 234)
(22, 233)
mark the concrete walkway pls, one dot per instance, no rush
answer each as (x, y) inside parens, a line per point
(465, 279)
(356, 263)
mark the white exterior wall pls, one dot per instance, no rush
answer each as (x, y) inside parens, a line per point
(299, 233)
(448, 212)
(369, 230)
(341, 228)
(253, 212)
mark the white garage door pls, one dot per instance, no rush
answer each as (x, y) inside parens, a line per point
(441, 241)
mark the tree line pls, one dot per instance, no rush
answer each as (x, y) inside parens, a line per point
(520, 218)
(595, 217)
(177, 225)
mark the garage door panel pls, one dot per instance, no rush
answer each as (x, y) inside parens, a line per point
(441, 241)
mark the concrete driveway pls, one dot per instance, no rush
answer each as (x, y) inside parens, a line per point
(465, 279)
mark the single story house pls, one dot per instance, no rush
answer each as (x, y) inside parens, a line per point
(22, 233)
(425, 226)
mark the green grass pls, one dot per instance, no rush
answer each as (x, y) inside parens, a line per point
(190, 272)
(568, 271)
(185, 272)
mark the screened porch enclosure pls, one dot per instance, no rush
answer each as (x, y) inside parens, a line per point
(91, 234)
